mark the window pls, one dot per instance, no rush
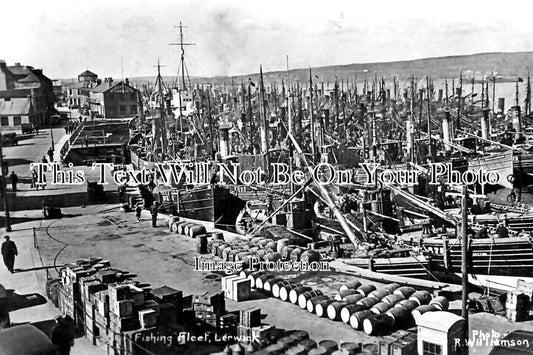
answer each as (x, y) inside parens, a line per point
(122, 108)
(431, 349)
(7, 99)
(16, 121)
(133, 108)
(4, 121)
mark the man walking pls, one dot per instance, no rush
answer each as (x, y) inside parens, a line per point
(14, 180)
(9, 251)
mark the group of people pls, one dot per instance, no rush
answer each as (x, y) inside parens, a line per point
(71, 126)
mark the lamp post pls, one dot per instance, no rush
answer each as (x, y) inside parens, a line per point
(3, 187)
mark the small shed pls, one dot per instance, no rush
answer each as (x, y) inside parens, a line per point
(439, 333)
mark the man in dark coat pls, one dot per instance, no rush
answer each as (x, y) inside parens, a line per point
(14, 180)
(63, 334)
(153, 210)
(9, 251)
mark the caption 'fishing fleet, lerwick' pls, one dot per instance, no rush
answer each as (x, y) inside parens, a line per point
(363, 209)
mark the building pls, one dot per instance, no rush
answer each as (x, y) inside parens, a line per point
(114, 99)
(440, 333)
(78, 93)
(26, 96)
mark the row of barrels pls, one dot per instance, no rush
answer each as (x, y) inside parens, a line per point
(363, 307)
(262, 249)
(190, 229)
(297, 342)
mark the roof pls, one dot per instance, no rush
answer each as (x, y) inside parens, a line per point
(441, 321)
(87, 73)
(103, 87)
(15, 107)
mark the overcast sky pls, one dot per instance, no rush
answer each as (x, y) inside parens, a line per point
(236, 36)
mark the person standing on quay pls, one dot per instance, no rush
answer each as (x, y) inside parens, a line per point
(9, 251)
(153, 210)
(14, 180)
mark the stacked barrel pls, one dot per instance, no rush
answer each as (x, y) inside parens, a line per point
(375, 311)
(264, 249)
(187, 228)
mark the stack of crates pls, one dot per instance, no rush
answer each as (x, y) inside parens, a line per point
(401, 342)
(517, 306)
(209, 308)
(236, 287)
(229, 322)
(167, 303)
(249, 318)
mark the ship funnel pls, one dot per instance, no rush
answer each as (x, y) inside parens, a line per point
(485, 126)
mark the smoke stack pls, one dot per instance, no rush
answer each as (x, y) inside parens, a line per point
(440, 95)
(501, 104)
(485, 131)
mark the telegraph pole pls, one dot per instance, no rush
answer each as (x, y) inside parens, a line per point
(464, 264)
(3, 187)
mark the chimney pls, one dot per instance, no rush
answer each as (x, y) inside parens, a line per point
(110, 81)
(127, 81)
(17, 64)
(2, 63)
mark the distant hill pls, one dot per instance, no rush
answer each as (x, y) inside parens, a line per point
(509, 66)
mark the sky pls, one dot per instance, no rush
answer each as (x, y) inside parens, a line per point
(234, 37)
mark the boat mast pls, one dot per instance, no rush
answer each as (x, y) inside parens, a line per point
(264, 131)
(182, 64)
(312, 121)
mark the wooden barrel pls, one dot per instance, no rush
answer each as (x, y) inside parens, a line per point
(271, 246)
(260, 254)
(263, 243)
(295, 294)
(418, 311)
(174, 227)
(171, 221)
(306, 296)
(353, 298)
(319, 350)
(401, 317)
(378, 324)
(407, 304)
(406, 291)
(330, 345)
(440, 302)
(308, 344)
(381, 307)
(220, 250)
(296, 253)
(284, 291)
(357, 318)
(196, 230)
(352, 285)
(260, 281)
(339, 296)
(282, 243)
(312, 302)
(391, 287)
(272, 257)
(254, 276)
(366, 289)
(286, 252)
(422, 297)
(368, 302)
(217, 235)
(277, 286)
(225, 253)
(298, 335)
(245, 273)
(379, 294)
(393, 299)
(201, 245)
(181, 227)
(233, 253)
(322, 306)
(348, 310)
(350, 348)
(287, 341)
(334, 310)
(297, 350)
(310, 256)
(275, 349)
(369, 349)
(267, 285)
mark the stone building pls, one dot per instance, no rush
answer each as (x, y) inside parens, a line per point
(114, 99)
(26, 96)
